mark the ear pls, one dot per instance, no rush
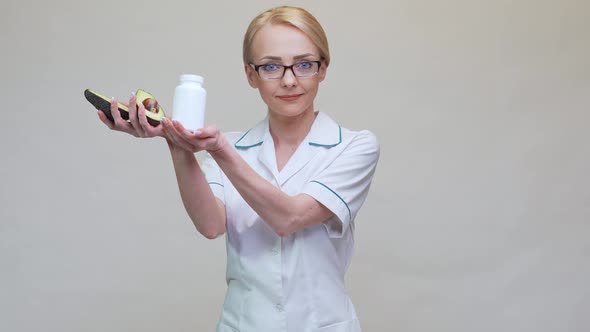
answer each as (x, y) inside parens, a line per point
(251, 75)
(323, 71)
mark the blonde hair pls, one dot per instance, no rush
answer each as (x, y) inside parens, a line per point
(293, 16)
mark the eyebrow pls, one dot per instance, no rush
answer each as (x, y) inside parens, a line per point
(297, 57)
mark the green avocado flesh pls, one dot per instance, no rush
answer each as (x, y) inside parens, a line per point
(153, 111)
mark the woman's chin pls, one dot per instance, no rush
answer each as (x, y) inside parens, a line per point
(290, 110)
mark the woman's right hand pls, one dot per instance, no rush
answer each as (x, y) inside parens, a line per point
(137, 124)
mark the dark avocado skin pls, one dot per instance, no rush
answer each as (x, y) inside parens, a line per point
(104, 105)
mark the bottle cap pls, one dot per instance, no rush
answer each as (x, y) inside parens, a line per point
(191, 78)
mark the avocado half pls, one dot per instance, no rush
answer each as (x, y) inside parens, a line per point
(153, 111)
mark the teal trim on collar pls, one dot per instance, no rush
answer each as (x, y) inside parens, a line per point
(330, 145)
(321, 134)
(333, 192)
(246, 146)
(217, 183)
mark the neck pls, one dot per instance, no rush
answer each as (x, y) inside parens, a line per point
(290, 131)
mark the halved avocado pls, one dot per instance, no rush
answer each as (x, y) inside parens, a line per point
(154, 112)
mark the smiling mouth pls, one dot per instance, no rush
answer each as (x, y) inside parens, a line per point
(290, 97)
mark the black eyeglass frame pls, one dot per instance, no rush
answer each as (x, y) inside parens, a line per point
(256, 68)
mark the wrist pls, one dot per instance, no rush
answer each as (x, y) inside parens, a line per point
(178, 152)
(221, 148)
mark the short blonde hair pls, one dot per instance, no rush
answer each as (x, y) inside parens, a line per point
(292, 16)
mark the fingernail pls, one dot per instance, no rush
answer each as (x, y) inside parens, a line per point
(197, 132)
(132, 94)
(163, 120)
(112, 99)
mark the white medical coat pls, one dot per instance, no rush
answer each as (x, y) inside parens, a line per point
(295, 283)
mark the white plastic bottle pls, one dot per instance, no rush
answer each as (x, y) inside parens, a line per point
(188, 106)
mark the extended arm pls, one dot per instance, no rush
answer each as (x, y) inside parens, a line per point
(205, 210)
(285, 214)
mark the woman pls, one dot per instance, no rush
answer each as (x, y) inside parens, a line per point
(285, 192)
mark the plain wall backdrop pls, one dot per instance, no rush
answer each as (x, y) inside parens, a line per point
(479, 214)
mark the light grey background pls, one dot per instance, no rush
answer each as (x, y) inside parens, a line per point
(479, 214)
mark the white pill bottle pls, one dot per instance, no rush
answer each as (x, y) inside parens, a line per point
(188, 106)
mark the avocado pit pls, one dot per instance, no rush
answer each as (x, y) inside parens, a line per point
(151, 105)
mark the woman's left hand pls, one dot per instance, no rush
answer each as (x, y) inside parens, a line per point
(208, 138)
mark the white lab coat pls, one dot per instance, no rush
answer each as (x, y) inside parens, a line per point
(295, 283)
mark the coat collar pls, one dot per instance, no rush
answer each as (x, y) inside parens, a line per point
(324, 132)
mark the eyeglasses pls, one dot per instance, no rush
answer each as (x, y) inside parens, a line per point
(273, 71)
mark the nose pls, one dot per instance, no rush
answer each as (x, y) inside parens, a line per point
(289, 78)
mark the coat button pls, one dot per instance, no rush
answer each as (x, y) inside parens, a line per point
(279, 307)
